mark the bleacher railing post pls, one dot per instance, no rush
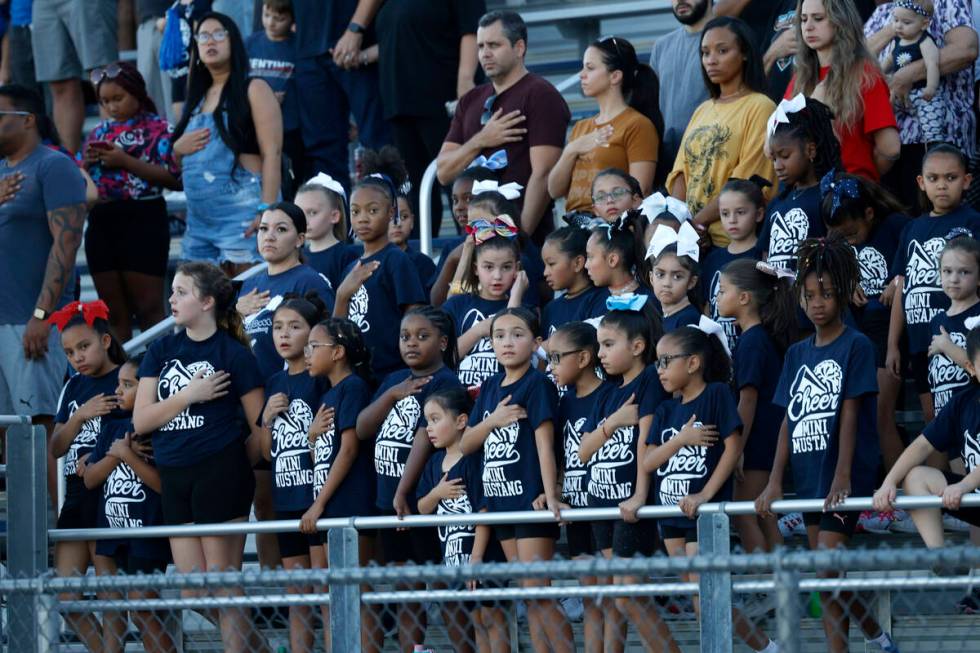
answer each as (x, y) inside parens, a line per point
(787, 605)
(715, 586)
(27, 531)
(345, 598)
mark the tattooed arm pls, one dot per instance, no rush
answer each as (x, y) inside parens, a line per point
(66, 225)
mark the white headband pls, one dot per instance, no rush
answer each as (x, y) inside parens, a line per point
(328, 182)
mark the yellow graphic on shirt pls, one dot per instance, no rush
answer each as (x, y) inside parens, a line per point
(703, 148)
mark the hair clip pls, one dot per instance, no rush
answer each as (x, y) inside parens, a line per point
(90, 312)
(845, 187)
(632, 302)
(782, 112)
(510, 191)
(496, 161)
(387, 181)
(585, 221)
(484, 230)
(773, 271)
(712, 328)
(686, 239)
(959, 232)
(328, 182)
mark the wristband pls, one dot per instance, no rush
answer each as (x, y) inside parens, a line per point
(264, 206)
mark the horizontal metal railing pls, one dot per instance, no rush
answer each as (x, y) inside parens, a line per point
(488, 518)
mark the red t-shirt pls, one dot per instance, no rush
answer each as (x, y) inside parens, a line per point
(857, 140)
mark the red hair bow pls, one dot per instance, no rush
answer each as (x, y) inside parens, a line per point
(90, 312)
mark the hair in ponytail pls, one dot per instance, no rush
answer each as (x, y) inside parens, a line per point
(443, 322)
(625, 237)
(348, 335)
(870, 195)
(644, 323)
(453, 399)
(211, 281)
(716, 366)
(582, 336)
(773, 297)
(640, 85)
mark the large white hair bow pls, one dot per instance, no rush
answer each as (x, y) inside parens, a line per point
(328, 182)
(511, 191)
(657, 204)
(712, 328)
(686, 239)
(781, 114)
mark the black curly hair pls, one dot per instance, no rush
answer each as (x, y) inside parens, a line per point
(833, 260)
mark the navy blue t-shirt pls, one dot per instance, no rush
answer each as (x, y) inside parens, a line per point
(917, 259)
(530, 262)
(127, 502)
(758, 365)
(456, 540)
(300, 279)
(202, 429)
(561, 310)
(355, 496)
(812, 387)
(378, 304)
(576, 417)
(613, 468)
(79, 389)
(875, 258)
(274, 62)
(690, 469)
(945, 376)
(467, 309)
(424, 267)
(292, 468)
(394, 439)
(332, 261)
(714, 263)
(512, 469)
(956, 428)
(792, 217)
(687, 316)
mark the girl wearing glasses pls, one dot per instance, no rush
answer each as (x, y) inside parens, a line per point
(229, 143)
(688, 461)
(129, 157)
(624, 134)
(614, 191)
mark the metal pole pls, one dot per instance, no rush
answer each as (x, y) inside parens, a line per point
(425, 209)
(716, 586)
(27, 524)
(345, 597)
(787, 606)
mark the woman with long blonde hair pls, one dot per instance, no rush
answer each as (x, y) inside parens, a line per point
(833, 65)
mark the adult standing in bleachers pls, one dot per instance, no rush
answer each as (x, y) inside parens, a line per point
(332, 86)
(41, 225)
(71, 37)
(19, 52)
(518, 112)
(427, 57)
(625, 134)
(150, 22)
(676, 58)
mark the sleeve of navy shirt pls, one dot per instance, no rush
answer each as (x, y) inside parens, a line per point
(943, 432)
(661, 419)
(354, 398)
(763, 241)
(244, 371)
(652, 393)
(724, 409)
(862, 376)
(152, 362)
(319, 284)
(542, 402)
(487, 393)
(405, 281)
(106, 437)
(901, 254)
(430, 475)
(64, 401)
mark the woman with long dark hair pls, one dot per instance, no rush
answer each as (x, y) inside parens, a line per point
(626, 132)
(726, 134)
(229, 146)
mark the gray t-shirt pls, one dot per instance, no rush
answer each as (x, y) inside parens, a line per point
(51, 181)
(676, 58)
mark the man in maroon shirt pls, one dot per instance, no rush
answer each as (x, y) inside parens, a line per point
(516, 111)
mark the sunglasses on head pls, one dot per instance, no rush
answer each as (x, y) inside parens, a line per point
(488, 109)
(111, 71)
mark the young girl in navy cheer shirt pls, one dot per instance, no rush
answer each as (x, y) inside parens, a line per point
(324, 202)
(87, 399)
(382, 284)
(513, 422)
(564, 258)
(613, 255)
(828, 436)
(193, 387)
(343, 480)
(690, 466)
(294, 397)
(612, 450)
(918, 292)
(803, 148)
(871, 220)
(675, 274)
(760, 299)
(122, 466)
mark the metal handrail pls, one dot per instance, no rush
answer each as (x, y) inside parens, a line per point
(163, 327)
(10, 420)
(485, 518)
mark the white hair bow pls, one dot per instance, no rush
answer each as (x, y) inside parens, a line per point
(328, 182)
(712, 328)
(657, 204)
(971, 323)
(781, 114)
(686, 240)
(511, 191)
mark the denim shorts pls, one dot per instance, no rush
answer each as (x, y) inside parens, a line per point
(216, 223)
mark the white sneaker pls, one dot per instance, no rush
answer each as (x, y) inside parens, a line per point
(887, 646)
(792, 524)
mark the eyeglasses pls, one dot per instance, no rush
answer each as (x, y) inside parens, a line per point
(614, 195)
(217, 36)
(555, 357)
(488, 109)
(111, 71)
(664, 361)
(16, 113)
(309, 349)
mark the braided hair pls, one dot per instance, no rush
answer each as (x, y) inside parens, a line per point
(443, 323)
(834, 262)
(348, 335)
(814, 124)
